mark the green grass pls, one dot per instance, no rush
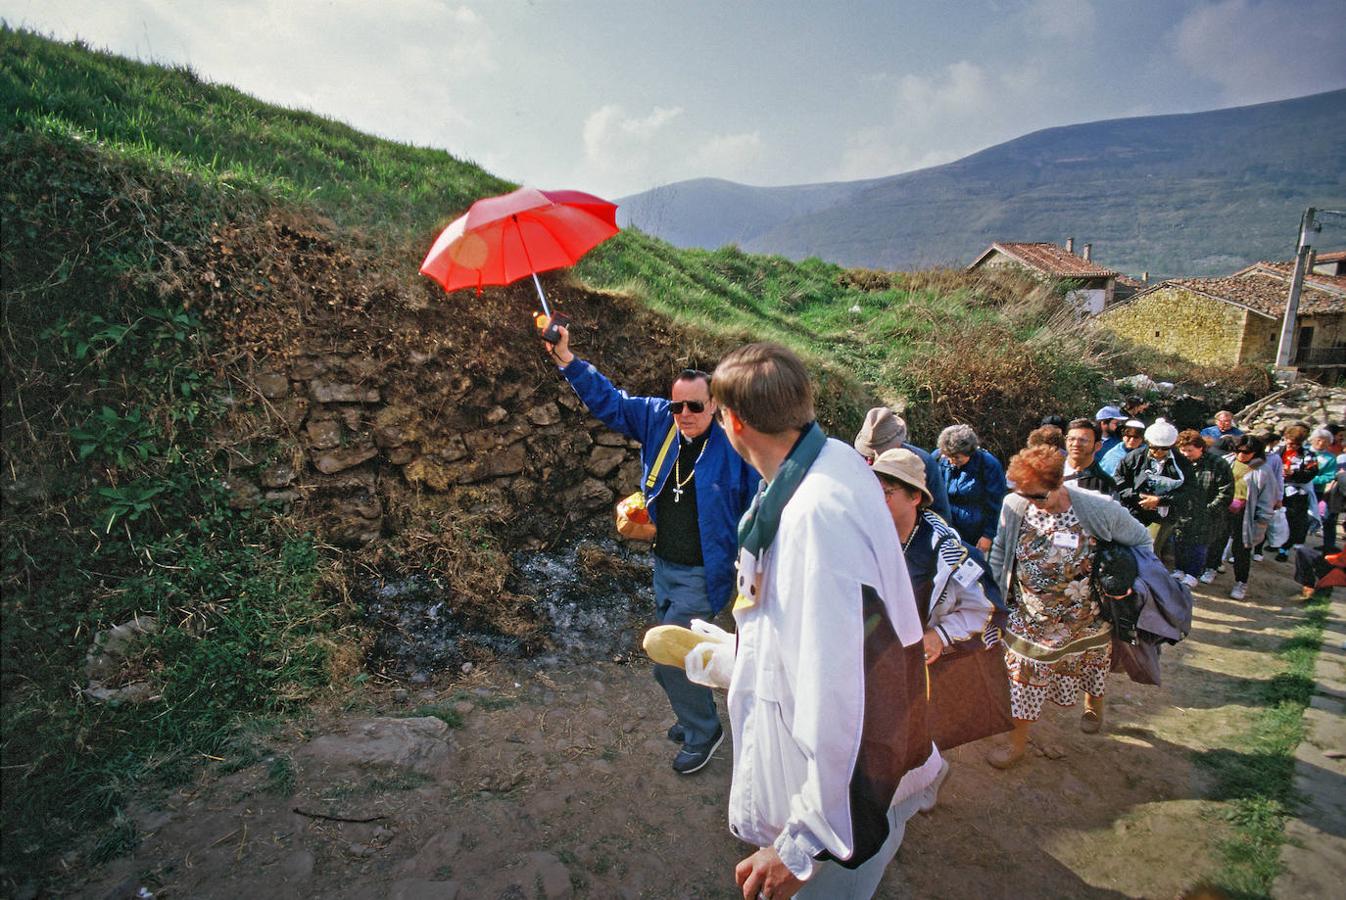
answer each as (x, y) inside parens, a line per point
(229, 139)
(1256, 780)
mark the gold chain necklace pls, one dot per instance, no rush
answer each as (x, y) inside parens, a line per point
(678, 481)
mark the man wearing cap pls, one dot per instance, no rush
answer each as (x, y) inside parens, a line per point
(827, 701)
(696, 487)
(1224, 425)
(1132, 438)
(1108, 419)
(1155, 483)
(886, 430)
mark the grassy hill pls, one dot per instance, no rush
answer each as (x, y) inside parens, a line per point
(165, 241)
(1195, 194)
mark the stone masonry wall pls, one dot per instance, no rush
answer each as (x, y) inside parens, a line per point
(524, 444)
(1176, 321)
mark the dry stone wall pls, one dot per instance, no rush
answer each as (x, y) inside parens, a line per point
(350, 446)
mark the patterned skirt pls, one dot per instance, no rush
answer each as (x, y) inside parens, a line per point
(1033, 682)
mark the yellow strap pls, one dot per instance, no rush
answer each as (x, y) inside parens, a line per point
(659, 460)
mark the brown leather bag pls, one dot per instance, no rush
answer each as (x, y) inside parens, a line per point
(969, 694)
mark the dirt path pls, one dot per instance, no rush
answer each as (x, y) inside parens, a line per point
(556, 784)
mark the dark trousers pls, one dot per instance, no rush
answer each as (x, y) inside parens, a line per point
(1190, 556)
(1309, 566)
(1215, 549)
(679, 597)
(1297, 516)
(1243, 554)
(1329, 531)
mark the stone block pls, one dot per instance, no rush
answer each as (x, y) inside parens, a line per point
(603, 461)
(333, 392)
(496, 415)
(323, 434)
(393, 435)
(450, 449)
(546, 414)
(588, 494)
(400, 456)
(330, 462)
(272, 385)
(307, 367)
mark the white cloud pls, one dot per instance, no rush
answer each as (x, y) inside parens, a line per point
(728, 155)
(1072, 20)
(939, 118)
(1257, 50)
(631, 152)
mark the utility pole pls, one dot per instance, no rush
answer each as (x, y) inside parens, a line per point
(1302, 254)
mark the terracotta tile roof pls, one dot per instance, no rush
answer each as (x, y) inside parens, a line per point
(1133, 283)
(1263, 293)
(1335, 284)
(1049, 259)
(1333, 256)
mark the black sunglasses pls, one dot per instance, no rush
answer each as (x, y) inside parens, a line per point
(695, 406)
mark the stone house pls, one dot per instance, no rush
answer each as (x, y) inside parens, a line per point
(1093, 286)
(1236, 319)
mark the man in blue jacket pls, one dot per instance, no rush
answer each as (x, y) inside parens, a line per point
(696, 488)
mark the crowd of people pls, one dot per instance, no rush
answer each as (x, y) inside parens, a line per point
(862, 577)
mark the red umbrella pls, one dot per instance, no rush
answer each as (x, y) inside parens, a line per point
(501, 239)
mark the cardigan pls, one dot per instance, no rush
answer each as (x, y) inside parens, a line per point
(1101, 516)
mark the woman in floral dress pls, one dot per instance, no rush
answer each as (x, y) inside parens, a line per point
(1056, 644)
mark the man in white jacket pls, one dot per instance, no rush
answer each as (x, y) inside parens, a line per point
(827, 699)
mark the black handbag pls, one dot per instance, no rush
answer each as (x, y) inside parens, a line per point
(1113, 576)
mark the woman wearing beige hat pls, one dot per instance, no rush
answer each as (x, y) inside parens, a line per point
(955, 594)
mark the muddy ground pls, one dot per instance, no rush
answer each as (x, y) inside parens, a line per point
(556, 783)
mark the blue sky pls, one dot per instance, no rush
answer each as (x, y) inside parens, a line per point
(622, 95)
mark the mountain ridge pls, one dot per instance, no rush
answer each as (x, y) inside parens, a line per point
(1137, 188)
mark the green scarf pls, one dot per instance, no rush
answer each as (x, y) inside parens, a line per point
(757, 528)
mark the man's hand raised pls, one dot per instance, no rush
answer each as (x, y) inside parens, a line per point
(560, 351)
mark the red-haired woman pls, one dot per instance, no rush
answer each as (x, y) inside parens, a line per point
(1056, 642)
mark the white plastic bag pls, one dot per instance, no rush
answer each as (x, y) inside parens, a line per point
(1278, 532)
(711, 662)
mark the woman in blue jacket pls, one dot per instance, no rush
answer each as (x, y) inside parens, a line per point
(975, 483)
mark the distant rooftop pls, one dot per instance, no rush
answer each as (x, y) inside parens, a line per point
(1050, 259)
(1261, 292)
(1335, 284)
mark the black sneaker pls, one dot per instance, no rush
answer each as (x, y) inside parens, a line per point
(676, 734)
(693, 757)
(1282, 556)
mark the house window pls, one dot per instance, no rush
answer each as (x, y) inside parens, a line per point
(1156, 334)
